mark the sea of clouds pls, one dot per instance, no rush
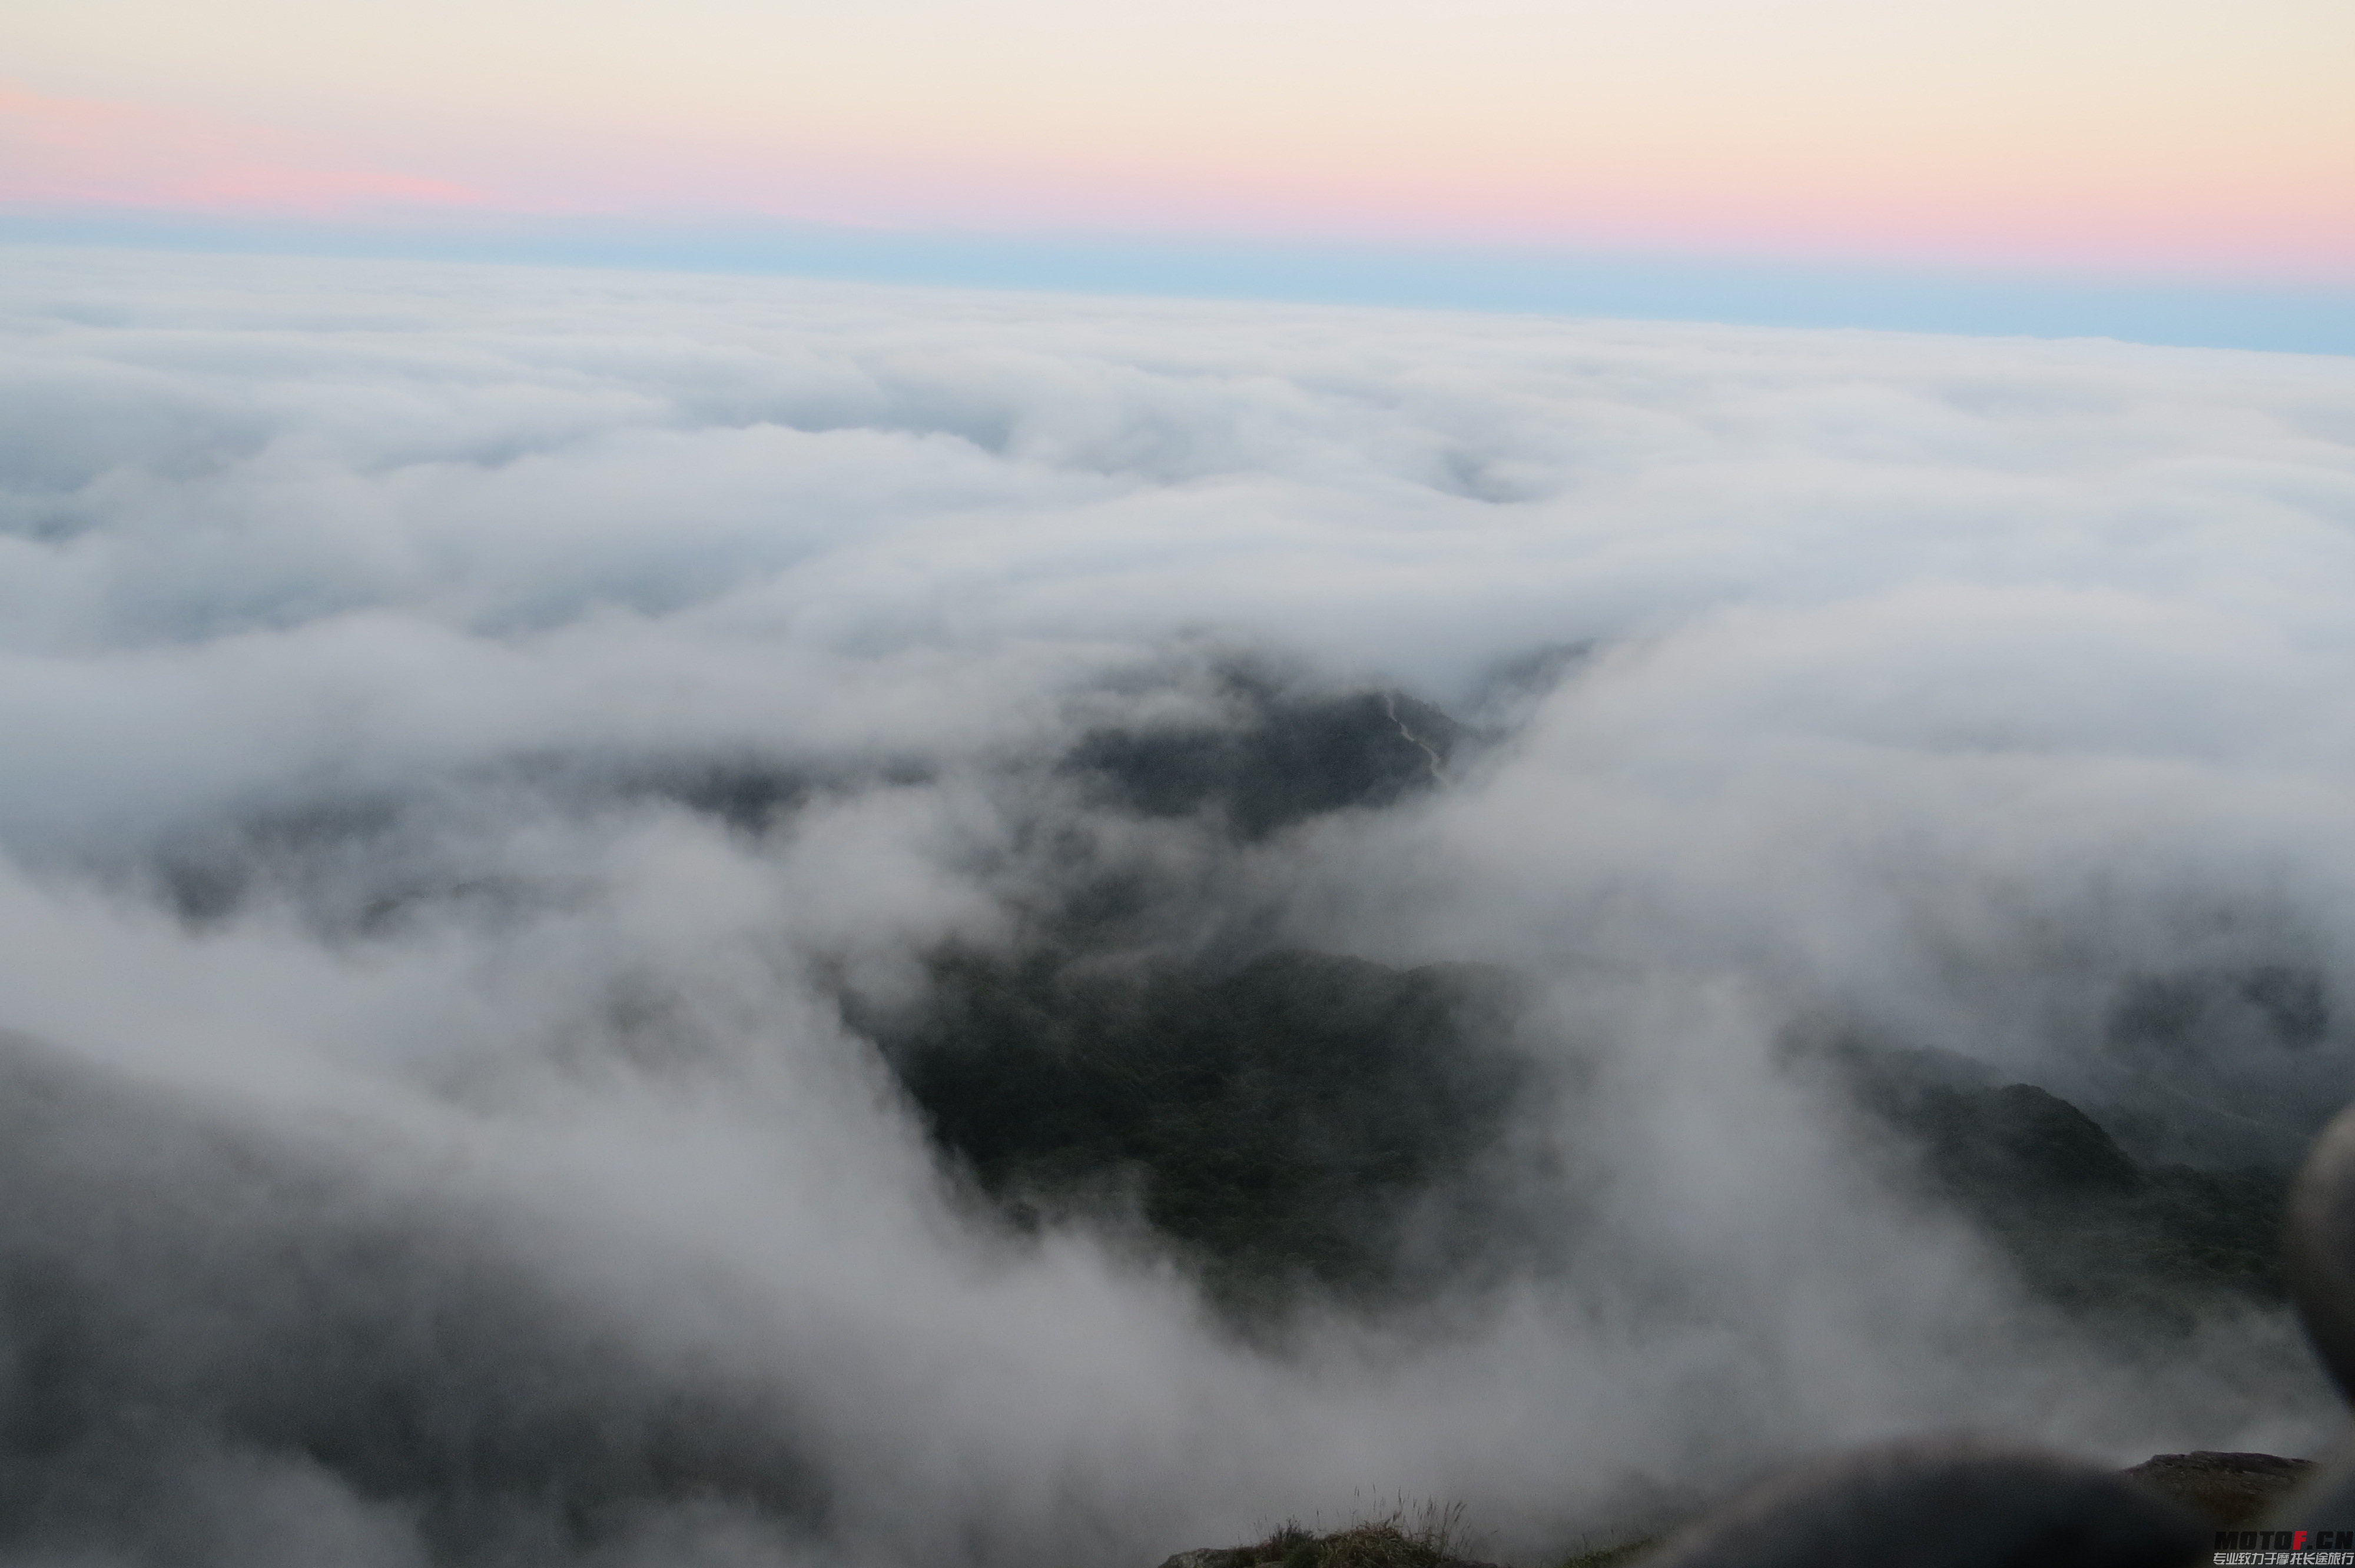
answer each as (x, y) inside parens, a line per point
(431, 1139)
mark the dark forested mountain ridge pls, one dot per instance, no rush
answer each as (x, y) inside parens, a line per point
(2090, 1226)
(1278, 1121)
(1280, 756)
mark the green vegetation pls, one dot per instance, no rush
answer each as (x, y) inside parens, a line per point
(1377, 1545)
(1426, 1536)
(1282, 1124)
(2090, 1227)
(1285, 757)
(1278, 1122)
(1401, 1537)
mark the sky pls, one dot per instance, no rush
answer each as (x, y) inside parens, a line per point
(2175, 171)
(420, 1109)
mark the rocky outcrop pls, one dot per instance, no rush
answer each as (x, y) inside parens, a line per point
(1374, 1546)
(2231, 1488)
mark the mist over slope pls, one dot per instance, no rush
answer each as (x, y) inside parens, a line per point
(667, 920)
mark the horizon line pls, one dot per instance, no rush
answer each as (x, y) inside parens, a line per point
(1700, 288)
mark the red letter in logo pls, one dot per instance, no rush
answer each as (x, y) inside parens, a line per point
(2297, 1541)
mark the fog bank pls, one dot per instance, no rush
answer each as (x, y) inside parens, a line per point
(498, 759)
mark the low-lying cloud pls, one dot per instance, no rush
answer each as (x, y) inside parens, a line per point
(485, 747)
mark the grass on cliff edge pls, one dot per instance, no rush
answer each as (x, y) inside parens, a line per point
(1401, 1537)
(1424, 1536)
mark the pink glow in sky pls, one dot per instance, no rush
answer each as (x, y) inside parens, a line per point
(67, 153)
(2179, 137)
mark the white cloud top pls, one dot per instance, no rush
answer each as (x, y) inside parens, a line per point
(1937, 684)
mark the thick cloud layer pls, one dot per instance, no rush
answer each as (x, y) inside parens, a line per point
(484, 744)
